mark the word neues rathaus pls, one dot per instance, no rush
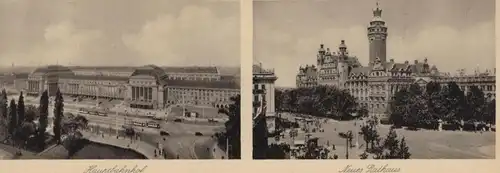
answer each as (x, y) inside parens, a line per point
(374, 85)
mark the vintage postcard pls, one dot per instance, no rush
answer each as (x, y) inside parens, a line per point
(388, 79)
(113, 79)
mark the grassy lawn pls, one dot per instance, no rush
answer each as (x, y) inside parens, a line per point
(424, 144)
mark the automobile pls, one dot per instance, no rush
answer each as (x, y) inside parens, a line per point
(198, 134)
(164, 133)
(157, 118)
(178, 120)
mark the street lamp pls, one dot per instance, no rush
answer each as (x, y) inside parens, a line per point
(227, 146)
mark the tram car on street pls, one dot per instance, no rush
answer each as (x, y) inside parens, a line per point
(153, 124)
(137, 123)
(83, 111)
(102, 113)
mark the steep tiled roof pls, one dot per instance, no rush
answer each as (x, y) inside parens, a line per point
(228, 78)
(229, 70)
(90, 77)
(353, 61)
(151, 70)
(203, 84)
(52, 68)
(257, 69)
(361, 70)
(21, 75)
(104, 68)
(309, 71)
(193, 69)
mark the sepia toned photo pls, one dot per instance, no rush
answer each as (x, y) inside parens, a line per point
(120, 79)
(388, 79)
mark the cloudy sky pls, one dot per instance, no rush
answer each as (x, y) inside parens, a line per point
(451, 33)
(120, 32)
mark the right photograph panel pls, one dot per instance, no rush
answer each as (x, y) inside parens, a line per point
(388, 79)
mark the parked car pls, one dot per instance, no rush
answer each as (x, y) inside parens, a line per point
(164, 133)
(198, 134)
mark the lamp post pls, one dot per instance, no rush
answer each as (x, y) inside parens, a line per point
(227, 147)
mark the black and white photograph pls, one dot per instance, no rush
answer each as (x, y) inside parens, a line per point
(120, 79)
(374, 79)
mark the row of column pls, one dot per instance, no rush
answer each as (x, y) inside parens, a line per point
(33, 86)
(142, 93)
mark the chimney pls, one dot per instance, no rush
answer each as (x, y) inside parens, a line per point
(391, 60)
(416, 61)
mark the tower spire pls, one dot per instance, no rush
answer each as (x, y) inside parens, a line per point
(377, 12)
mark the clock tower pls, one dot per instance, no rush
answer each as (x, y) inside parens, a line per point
(377, 37)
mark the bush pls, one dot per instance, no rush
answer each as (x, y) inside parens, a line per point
(451, 127)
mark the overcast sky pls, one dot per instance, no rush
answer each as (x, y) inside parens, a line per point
(451, 33)
(120, 32)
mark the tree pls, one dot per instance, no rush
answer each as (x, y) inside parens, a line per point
(432, 87)
(43, 119)
(399, 107)
(3, 113)
(31, 113)
(348, 138)
(260, 134)
(391, 144)
(3, 104)
(455, 102)
(362, 112)
(58, 114)
(476, 102)
(312, 149)
(73, 142)
(491, 112)
(391, 147)
(278, 99)
(24, 133)
(233, 131)
(72, 128)
(20, 110)
(363, 155)
(278, 151)
(370, 133)
(404, 150)
(13, 118)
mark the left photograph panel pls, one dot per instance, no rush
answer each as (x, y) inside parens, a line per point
(115, 79)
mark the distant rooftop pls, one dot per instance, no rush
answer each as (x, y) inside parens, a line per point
(203, 84)
(191, 69)
(258, 69)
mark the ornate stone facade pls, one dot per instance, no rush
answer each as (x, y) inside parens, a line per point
(147, 87)
(263, 91)
(374, 85)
